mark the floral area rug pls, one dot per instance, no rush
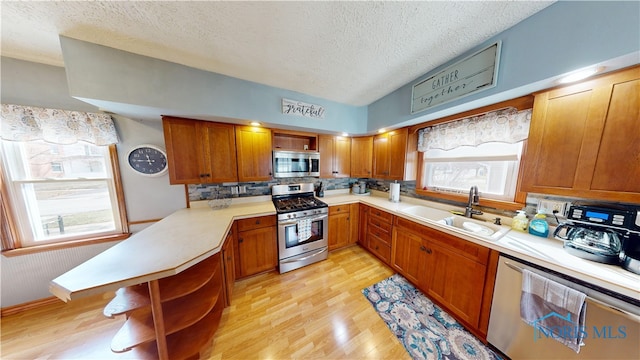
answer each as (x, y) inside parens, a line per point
(425, 330)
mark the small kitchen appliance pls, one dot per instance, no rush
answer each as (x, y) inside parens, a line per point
(606, 234)
(302, 226)
(288, 164)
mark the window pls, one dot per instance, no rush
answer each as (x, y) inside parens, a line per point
(492, 167)
(63, 192)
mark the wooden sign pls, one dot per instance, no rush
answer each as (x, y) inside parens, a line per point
(476, 72)
(291, 107)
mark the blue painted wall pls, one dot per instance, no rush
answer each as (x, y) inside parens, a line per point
(563, 37)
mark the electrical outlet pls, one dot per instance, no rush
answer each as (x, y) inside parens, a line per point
(234, 190)
(549, 206)
(242, 189)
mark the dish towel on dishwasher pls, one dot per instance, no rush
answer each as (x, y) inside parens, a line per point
(304, 229)
(553, 310)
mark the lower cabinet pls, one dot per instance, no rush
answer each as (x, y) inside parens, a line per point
(170, 318)
(257, 245)
(343, 225)
(379, 225)
(229, 262)
(457, 274)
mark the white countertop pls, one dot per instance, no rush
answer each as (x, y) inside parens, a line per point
(165, 248)
(546, 252)
(188, 236)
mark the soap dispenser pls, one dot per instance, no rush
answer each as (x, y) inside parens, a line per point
(539, 225)
(520, 221)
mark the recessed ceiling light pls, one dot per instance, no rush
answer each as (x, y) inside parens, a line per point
(381, 131)
(345, 134)
(255, 123)
(579, 75)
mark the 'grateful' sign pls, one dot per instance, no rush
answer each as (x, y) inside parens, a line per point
(474, 73)
(291, 107)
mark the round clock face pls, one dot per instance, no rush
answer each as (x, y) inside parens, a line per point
(148, 160)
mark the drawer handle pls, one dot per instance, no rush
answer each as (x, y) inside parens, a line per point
(257, 222)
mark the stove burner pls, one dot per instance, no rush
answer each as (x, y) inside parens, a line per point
(297, 203)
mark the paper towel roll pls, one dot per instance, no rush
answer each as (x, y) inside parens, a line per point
(394, 192)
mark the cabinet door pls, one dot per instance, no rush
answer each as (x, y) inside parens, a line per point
(361, 157)
(397, 153)
(258, 250)
(326, 149)
(185, 156)
(354, 222)
(456, 282)
(254, 153)
(342, 157)
(335, 156)
(220, 151)
(381, 156)
(409, 256)
(617, 168)
(339, 230)
(584, 141)
(228, 260)
(362, 226)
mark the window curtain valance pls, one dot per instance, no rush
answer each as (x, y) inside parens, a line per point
(506, 125)
(27, 123)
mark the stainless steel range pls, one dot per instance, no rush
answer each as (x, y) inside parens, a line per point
(302, 226)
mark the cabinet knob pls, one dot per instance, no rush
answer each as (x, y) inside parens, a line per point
(257, 222)
(428, 251)
(422, 248)
(240, 240)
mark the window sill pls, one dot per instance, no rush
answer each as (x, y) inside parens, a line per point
(496, 204)
(63, 245)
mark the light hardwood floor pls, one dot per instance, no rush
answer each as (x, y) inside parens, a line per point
(317, 312)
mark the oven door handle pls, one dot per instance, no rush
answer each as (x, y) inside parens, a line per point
(306, 257)
(295, 222)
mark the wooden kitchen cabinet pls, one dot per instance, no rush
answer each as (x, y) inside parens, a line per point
(362, 157)
(395, 155)
(363, 213)
(335, 156)
(457, 274)
(379, 226)
(257, 245)
(343, 225)
(253, 146)
(584, 140)
(173, 317)
(199, 151)
(229, 262)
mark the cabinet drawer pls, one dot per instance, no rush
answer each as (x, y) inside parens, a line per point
(256, 222)
(381, 215)
(338, 209)
(380, 248)
(380, 229)
(460, 246)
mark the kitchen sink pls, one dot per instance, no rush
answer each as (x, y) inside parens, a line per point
(482, 229)
(426, 213)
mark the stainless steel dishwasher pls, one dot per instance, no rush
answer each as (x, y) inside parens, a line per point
(612, 322)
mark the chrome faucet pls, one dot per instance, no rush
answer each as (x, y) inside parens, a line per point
(474, 199)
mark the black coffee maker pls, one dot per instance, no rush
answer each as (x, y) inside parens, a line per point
(606, 234)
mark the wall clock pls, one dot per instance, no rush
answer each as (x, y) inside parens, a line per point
(148, 160)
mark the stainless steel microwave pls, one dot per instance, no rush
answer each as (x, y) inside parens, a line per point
(295, 163)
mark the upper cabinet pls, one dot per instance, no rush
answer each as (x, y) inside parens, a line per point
(395, 155)
(361, 157)
(584, 140)
(335, 156)
(199, 151)
(254, 153)
(294, 140)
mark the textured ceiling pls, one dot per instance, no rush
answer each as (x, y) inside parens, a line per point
(349, 52)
